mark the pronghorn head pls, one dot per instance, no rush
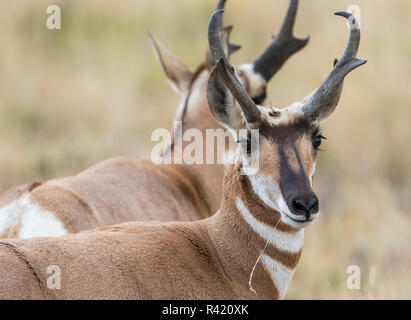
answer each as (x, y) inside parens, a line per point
(288, 139)
(253, 76)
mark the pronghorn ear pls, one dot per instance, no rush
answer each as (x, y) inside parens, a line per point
(229, 48)
(221, 103)
(177, 73)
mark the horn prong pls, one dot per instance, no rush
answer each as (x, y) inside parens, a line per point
(283, 46)
(227, 72)
(326, 97)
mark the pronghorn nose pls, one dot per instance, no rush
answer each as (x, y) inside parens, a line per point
(305, 205)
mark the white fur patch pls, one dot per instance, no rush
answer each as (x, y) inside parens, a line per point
(31, 219)
(286, 115)
(280, 275)
(197, 95)
(255, 80)
(9, 216)
(289, 242)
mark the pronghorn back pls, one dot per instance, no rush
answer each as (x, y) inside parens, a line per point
(114, 191)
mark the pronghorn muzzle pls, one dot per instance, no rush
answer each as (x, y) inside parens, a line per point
(297, 192)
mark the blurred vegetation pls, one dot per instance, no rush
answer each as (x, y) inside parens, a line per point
(72, 97)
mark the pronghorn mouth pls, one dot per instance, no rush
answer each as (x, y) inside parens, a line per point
(298, 221)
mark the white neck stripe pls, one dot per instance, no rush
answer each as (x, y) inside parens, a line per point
(288, 242)
(279, 274)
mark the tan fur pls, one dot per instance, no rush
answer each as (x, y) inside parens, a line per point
(269, 160)
(208, 259)
(176, 71)
(211, 258)
(303, 147)
(15, 193)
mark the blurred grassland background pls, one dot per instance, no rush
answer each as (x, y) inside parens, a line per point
(72, 97)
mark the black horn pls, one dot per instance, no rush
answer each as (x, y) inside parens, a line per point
(220, 6)
(231, 46)
(225, 33)
(326, 97)
(283, 46)
(227, 73)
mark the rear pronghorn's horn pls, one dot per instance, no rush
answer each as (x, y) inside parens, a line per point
(283, 46)
(227, 73)
(225, 35)
(220, 4)
(326, 97)
(231, 47)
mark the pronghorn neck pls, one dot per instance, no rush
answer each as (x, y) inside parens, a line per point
(194, 113)
(242, 229)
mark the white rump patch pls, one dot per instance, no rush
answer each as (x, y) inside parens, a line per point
(9, 216)
(288, 242)
(30, 219)
(280, 275)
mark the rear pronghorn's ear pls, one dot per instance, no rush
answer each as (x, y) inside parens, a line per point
(221, 102)
(229, 48)
(177, 73)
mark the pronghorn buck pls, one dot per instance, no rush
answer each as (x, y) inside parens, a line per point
(124, 189)
(248, 249)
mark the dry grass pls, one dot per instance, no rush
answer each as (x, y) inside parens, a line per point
(73, 97)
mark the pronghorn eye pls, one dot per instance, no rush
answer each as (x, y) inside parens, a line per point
(317, 142)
